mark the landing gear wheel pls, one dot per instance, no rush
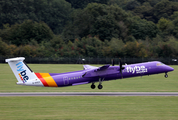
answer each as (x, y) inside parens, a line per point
(100, 86)
(93, 86)
(166, 75)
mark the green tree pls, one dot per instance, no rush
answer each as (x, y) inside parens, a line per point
(93, 46)
(145, 11)
(125, 4)
(173, 44)
(57, 42)
(141, 29)
(166, 26)
(45, 49)
(3, 48)
(153, 2)
(132, 5)
(98, 20)
(83, 3)
(116, 47)
(153, 10)
(175, 31)
(53, 12)
(174, 15)
(174, 19)
(23, 33)
(88, 46)
(165, 9)
(135, 49)
(27, 51)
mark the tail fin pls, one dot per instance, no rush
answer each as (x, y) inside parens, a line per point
(21, 71)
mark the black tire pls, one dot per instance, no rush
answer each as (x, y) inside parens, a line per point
(93, 86)
(100, 86)
(166, 75)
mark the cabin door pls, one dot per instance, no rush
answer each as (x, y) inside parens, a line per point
(66, 80)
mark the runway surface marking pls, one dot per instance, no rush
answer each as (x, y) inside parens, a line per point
(90, 94)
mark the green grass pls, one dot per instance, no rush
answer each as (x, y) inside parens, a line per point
(86, 108)
(152, 83)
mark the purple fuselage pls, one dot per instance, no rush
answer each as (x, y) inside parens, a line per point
(107, 72)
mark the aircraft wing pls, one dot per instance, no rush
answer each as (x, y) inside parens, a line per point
(87, 67)
(96, 71)
(102, 67)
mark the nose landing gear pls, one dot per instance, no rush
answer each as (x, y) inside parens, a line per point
(166, 75)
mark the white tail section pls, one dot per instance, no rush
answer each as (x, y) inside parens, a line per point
(21, 71)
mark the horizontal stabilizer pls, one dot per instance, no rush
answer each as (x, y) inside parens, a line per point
(15, 59)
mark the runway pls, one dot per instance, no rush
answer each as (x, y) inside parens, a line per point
(89, 94)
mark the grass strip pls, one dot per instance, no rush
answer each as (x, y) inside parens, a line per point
(91, 107)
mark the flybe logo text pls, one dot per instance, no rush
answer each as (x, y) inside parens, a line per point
(22, 73)
(136, 69)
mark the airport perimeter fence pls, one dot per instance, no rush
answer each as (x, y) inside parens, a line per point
(89, 60)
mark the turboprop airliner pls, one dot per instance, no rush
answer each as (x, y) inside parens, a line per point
(90, 74)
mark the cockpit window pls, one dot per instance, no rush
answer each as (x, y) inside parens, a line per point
(159, 64)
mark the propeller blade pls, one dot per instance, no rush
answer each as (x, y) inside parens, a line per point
(113, 63)
(120, 63)
(121, 67)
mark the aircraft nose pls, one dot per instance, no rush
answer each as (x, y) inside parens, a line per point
(168, 68)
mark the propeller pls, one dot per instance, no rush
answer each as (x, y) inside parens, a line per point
(121, 67)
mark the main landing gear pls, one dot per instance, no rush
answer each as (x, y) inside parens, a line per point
(166, 75)
(93, 86)
(99, 86)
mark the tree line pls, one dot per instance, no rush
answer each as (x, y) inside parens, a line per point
(92, 28)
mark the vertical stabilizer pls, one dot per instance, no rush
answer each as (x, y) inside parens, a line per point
(21, 71)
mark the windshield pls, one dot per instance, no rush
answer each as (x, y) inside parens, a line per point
(159, 64)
